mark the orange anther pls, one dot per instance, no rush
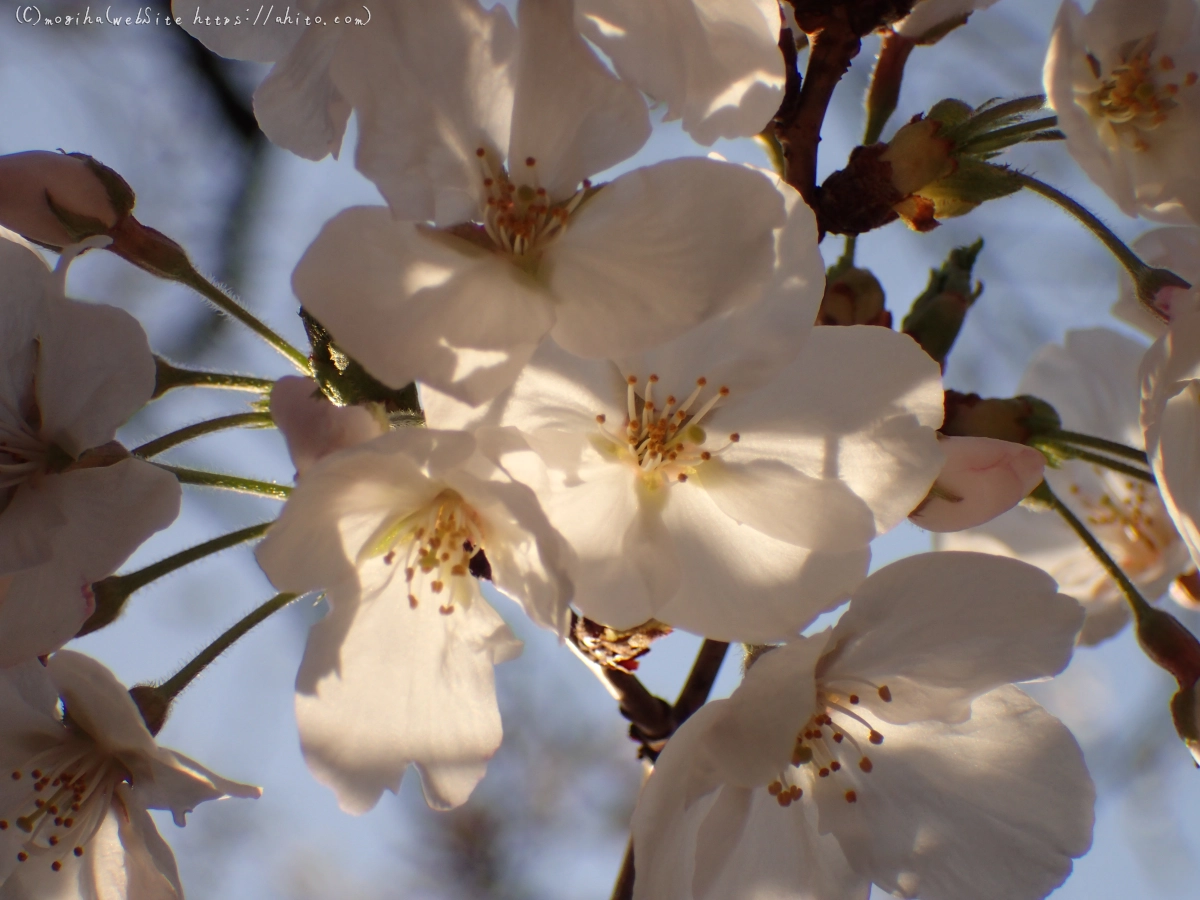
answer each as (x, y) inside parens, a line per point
(865, 764)
(851, 797)
(885, 694)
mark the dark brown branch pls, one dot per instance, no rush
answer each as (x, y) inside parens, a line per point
(700, 680)
(623, 889)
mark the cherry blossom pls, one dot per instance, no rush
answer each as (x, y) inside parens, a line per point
(73, 504)
(729, 482)
(1170, 401)
(30, 182)
(716, 65)
(1123, 81)
(1091, 382)
(395, 531)
(73, 820)
(892, 749)
(982, 478)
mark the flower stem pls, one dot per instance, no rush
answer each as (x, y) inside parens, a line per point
(886, 78)
(112, 592)
(228, 482)
(170, 376)
(1099, 459)
(700, 680)
(175, 438)
(223, 301)
(1087, 440)
(1147, 281)
(1136, 601)
(172, 687)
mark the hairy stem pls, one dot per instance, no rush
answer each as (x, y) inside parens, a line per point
(228, 482)
(1097, 443)
(171, 688)
(175, 438)
(1100, 460)
(884, 92)
(170, 376)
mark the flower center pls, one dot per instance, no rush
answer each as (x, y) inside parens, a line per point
(831, 742)
(663, 443)
(519, 219)
(434, 547)
(1131, 523)
(68, 790)
(1137, 93)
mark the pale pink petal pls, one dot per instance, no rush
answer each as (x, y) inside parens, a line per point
(100, 705)
(128, 859)
(180, 784)
(982, 478)
(571, 115)
(25, 181)
(994, 806)
(435, 671)
(414, 305)
(313, 426)
(647, 256)
(716, 65)
(927, 15)
(939, 629)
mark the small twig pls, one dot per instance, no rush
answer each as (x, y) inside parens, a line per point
(623, 889)
(700, 680)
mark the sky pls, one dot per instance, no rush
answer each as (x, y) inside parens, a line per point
(550, 819)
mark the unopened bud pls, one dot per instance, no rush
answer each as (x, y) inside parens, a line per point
(918, 155)
(1185, 713)
(853, 297)
(938, 314)
(57, 199)
(1169, 644)
(1016, 419)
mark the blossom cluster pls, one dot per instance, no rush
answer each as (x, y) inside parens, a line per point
(641, 402)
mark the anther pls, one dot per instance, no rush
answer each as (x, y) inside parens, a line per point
(601, 418)
(1167, 63)
(530, 161)
(705, 455)
(3, 825)
(480, 152)
(838, 737)
(22, 856)
(412, 601)
(16, 776)
(724, 391)
(774, 788)
(701, 381)
(875, 737)
(682, 477)
(36, 775)
(854, 698)
(735, 437)
(865, 764)
(885, 694)
(436, 587)
(389, 557)
(835, 766)
(445, 610)
(851, 797)
(56, 866)
(68, 822)
(824, 773)
(78, 851)
(1190, 79)
(53, 840)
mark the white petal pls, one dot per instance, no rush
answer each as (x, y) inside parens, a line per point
(570, 113)
(108, 512)
(859, 404)
(313, 426)
(181, 784)
(930, 14)
(716, 65)
(647, 256)
(128, 859)
(942, 628)
(745, 347)
(739, 584)
(410, 305)
(996, 806)
(298, 106)
(100, 705)
(984, 478)
(1177, 249)
(342, 502)
(95, 370)
(430, 83)
(435, 672)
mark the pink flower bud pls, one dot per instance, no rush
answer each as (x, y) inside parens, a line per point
(981, 479)
(313, 427)
(31, 181)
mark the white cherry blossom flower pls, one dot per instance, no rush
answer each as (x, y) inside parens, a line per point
(722, 483)
(1176, 248)
(1123, 81)
(313, 427)
(716, 65)
(1170, 417)
(76, 787)
(931, 16)
(1090, 381)
(73, 504)
(892, 749)
(982, 478)
(401, 670)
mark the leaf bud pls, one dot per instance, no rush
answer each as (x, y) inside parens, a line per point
(938, 314)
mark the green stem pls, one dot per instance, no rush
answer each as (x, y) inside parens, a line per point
(846, 260)
(991, 141)
(1147, 281)
(1097, 443)
(175, 438)
(223, 301)
(1136, 600)
(1100, 460)
(171, 376)
(171, 688)
(228, 482)
(111, 593)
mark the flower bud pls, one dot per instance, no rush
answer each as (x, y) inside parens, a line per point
(981, 479)
(853, 297)
(1185, 713)
(938, 314)
(919, 155)
(1017, 419)
(57, 199)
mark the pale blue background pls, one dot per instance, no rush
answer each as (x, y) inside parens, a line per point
(550, 819)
